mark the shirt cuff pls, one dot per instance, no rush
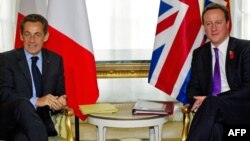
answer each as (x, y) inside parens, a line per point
(33, 101)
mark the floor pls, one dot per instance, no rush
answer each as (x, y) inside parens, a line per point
(133, 139)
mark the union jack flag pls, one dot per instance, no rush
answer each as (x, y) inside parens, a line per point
(179, 31)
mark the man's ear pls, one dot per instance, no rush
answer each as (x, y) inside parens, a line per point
(228, 25)
(46, 37)
(21, 36)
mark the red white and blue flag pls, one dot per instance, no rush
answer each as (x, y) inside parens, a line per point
(179, 31)
(70, 36)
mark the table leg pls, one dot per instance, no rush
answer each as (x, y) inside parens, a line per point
(104, 133)
(158, 132)
(101, 132)
(152, 134)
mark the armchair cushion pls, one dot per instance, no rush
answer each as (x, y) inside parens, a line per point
(59, 122)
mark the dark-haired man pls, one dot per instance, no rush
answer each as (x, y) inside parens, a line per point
(31, 85)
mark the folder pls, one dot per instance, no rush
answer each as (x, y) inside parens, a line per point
(150, 107)
(98, 108)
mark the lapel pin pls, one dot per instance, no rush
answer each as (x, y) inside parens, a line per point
(231, 55)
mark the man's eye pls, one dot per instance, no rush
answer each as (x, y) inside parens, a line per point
(208, 24)
(38, 35)
(27, 35)
(218, 22)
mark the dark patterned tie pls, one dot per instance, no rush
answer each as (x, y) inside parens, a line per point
(37, 76)
(216, 78)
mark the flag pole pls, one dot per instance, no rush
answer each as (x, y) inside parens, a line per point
(76, 128)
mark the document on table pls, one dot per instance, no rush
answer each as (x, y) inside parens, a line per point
(98, 108)
(153, 107)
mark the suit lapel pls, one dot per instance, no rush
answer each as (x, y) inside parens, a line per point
(45, 66)
(230, 61)
(24, 66)
(208, 67)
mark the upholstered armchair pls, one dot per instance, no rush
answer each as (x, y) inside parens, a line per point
(63, 125)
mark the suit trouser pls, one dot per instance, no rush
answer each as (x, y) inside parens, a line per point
(19, 121)
(214, 114)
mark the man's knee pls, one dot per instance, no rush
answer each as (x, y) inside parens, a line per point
(19, 136)
(211, 102)
(209, 106)
(24, 104)
(24, 107)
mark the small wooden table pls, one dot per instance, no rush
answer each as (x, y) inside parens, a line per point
(125, 119)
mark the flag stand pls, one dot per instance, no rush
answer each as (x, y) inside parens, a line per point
(76, 128)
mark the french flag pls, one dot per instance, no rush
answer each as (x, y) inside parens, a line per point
(70, 37)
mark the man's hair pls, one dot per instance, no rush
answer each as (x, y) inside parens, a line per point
(35, 18)
(216, 6)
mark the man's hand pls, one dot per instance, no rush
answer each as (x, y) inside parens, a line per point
(198, 102)
(60, 103)
(54, 102)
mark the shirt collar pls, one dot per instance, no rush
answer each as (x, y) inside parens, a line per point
(28, 55)
(223, 46)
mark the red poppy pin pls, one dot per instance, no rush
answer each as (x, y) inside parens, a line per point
(231, 55)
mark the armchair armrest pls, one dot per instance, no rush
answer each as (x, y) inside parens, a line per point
(186, 121)
(62, 122)
(68, 113)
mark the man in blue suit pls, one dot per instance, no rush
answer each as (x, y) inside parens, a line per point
(229, 106)
(25, 105)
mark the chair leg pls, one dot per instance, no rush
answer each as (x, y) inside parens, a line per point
(186, 122)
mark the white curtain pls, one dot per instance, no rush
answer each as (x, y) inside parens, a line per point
(245, 11)
(120, 25)
(122, 29)
(8, 9)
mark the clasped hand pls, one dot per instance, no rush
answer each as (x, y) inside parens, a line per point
(54, 102)
(198, 102)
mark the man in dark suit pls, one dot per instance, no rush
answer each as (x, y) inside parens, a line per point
(219, 89)
(26, 104)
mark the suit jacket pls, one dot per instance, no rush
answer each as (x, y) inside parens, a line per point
(237, 71)
(16, 81)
